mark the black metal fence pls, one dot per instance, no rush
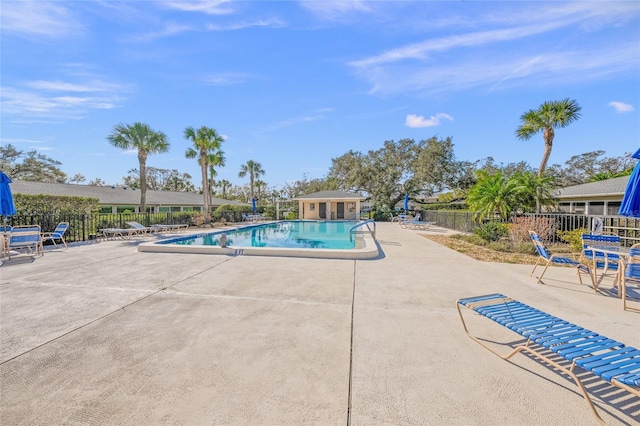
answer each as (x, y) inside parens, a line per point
(627, 228)
(83, 227)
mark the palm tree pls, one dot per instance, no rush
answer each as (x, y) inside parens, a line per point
(254, 169)
(550, 116)
(260, 187)
(215, 160)
(493, 194)
(224, 187)
(141, 137)
(534, 191)
(206, 142)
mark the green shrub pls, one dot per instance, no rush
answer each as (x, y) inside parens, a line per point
(59, 204)
(229, 213)
(573, 238)
(492, 231)
(524, 248)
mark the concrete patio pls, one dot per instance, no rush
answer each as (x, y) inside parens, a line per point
(103, 334)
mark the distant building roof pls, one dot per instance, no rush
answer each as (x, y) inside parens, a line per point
(609, 187)
(116, 195)
(331, 195)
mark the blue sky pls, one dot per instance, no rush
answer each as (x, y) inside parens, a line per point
(293, 84)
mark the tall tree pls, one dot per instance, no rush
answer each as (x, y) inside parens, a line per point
(224, 186)
(254, 170)
(206, 142)
(160, 180)
(146, 141)
(77, 178)
(549, 116)
(215, 160)
(589, 167)
(97, 182)
(31, 166)
(396, 169)
(261, 187)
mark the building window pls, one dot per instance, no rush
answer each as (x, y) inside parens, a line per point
(613, 208)
(106, 209)
(175, 209)
(164, 209)
(596, 208)
(565, 207)
(578, 208)
(125, 209)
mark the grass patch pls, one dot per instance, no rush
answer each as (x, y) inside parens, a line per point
(496, 251)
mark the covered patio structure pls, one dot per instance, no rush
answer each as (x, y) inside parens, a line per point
(329, 205)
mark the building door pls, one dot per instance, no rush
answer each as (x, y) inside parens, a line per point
(340, 212)
(322, 210)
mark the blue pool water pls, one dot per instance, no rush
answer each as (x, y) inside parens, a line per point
(289, 234)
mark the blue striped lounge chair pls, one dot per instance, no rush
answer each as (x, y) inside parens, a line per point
(551, 340)
(25, 238)
(57, 234)
(548, 259)
(631, 276)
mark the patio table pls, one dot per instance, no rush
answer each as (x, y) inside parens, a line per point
(621, 252)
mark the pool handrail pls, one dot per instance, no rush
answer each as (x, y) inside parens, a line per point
(366, 222)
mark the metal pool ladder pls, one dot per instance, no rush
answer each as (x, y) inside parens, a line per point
(353, 231)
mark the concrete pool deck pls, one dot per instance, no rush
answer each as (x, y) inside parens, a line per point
(104, 334)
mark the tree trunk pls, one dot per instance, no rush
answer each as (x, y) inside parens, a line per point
(143, 182)
(251, 184)
(205, 188)
(548, 144)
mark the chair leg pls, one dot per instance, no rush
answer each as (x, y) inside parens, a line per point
(534, 267)
(545, 270)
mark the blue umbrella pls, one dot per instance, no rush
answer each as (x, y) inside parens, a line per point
(630, 205)
(406, 202)
(253, 204)
(7, 208)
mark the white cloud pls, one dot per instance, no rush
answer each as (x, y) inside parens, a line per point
(226, 79)
(506, 69)
(621, 106)
(219, 7)
(332, 9)
(38, 18)
(417, 121)
(241, 25)
(519, 54)
(62, 86)
(34, 104)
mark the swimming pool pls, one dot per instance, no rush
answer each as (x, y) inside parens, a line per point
(302, 238)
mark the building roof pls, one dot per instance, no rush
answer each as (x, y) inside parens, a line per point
(331, 195)
(116, 195)
(609, 187)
